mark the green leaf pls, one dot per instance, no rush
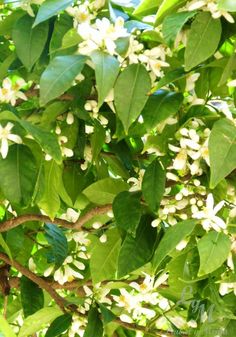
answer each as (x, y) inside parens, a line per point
(228, 70)
(222, 150)
(173, 24)
(5, 246)
(7, 24)
(16, 239)
(38, 321)
(161, 106)
(59, 325)
(32, 298)
(20, 173)
(59, 75)
(106, 71)
(136, 252)
(70, 39)
(107, 315)
(5, 328)
(127, 211)
(227, 5)
(131, 93)
(5, 65)
(94, 326)
(170, 77)
(214, 249)
(59, 247)
(50, 8)
(104, 191)
(97, 139)
(52, 182)
(173, 236)
(45, 139)
(153, 185)
(167, 7)
(203, 40)
(147, 7)
(103, 262)
(29, 42)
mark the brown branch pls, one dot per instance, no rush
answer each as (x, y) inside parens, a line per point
(61, 302)
(14, 222)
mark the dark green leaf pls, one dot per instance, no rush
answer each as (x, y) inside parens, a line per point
(59, 325)
(32, 298)
(59, 247)
(136, 252)
(107, 314)
(50, 8)
(153, 185)
(94, 327)
(161, 106)
(29, 42)
(127, 211)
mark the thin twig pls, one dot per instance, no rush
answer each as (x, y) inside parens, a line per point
(14, 222)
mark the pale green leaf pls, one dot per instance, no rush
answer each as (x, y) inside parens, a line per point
(214, 248)
(5, 328)
(147, 7)
(203, 40)
(38, 321)
(103, 262)
(106, 72)
(104, 191)
(168, 7)
(222, 150)
(227, 5)
(173, 236)
(131, 93)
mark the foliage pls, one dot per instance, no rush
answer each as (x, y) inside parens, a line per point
(117, 168)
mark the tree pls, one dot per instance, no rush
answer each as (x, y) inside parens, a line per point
(117, 168)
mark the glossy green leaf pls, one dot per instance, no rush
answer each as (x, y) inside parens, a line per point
(168, 7)
(147, 7)
(131, 93)
(106, 72)
(104, 191)
(38, 321)
(5, 328)
(203, 40)
(32, 298)
(94, 326)
(136, 252)
(173, 24)
(173, 236)
(70, 39)
(59, 247)
(45, 139)
(20, 172)
(29, 42)
(59, 75)
(153, 185)
(59, 325)
(127, 211)
(214, 248)
(103, 262)
(50, 8)
(222, 150)
(160, 106)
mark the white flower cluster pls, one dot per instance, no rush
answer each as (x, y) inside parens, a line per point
(211, 6)
(134, 303)
(10, 92)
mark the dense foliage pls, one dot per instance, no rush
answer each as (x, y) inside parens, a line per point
(117, 168)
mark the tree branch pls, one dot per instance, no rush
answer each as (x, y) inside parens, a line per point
(12, 223)
(60, 301)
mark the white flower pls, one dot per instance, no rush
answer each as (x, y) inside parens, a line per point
(10, 92)
(65, 150)
(5, 136)
(103, 238)
(208, 216)
(226, 288)
(70, 118)
(136, 182)
(71, 215)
